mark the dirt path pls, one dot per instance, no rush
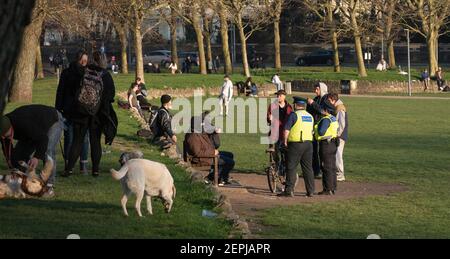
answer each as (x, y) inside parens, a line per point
(252, 195)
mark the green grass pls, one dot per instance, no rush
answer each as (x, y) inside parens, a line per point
(398, 141)
(91, 207)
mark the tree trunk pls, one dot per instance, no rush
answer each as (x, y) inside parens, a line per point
(174, 37)
(139, 54)
(391, 55)
(334, 38)
(228, 66)
(389, 34)
(245, 65)
(209, 55)
(277, 44)
(432, 60)
(123, 33)
(337, 62)
(15, 16)
(24, 73)
(362, 72)
(201, 47)
(39, 64)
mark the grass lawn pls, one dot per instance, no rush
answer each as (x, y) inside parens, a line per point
(91, 207)
(395, 141)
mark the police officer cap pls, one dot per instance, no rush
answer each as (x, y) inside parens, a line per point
(300, 100)
(328, 107)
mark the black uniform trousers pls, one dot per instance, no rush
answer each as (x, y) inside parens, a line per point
(316, 159)
(300, 153)
(327, 152)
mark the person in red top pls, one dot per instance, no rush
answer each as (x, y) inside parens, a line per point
(277, 116)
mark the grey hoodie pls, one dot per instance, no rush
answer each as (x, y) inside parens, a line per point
(323, 89)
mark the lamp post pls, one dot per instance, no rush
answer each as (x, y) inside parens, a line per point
(409, 64)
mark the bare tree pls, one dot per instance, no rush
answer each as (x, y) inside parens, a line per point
(24, 73)
(355, 12)
(138, 12)
(117, 12)
(208, 14)
(249, 17)
(15, 17)
(430, 19)
(170, 16)
(274, 10)
(190, 11)
(325, 24)
(388, 25)
(223, 13)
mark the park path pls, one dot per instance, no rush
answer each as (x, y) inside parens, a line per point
(250, 196)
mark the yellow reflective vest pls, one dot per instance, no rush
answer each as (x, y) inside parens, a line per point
(303, 129)
(332, 131)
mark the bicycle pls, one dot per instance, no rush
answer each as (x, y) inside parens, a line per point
(276, 172)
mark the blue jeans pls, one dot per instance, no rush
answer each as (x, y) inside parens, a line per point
(68, 139)
(54, 137)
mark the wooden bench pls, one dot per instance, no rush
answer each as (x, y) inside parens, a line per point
(188, 159)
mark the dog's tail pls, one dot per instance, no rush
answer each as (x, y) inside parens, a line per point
(174, 192)
(118, 175)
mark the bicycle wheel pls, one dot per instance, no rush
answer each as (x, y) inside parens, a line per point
(272, 179)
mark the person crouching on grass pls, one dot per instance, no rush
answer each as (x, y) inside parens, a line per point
(38, 130)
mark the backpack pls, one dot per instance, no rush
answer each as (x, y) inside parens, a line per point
(91, 91)
(153, 122)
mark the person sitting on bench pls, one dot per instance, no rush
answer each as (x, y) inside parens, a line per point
(203, 144)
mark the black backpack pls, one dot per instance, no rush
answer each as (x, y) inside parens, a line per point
(153, 121)
(91, 91)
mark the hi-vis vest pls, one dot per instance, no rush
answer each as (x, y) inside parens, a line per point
(303, 129)
(332, 131)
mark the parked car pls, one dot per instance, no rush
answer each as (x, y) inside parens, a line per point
(194, 56)
(161, 57)
(321, 57)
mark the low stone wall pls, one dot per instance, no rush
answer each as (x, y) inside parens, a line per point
(362, 86)
(265, 90)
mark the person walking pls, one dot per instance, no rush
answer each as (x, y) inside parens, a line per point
(65, 102)
(225, 96)
(92, 107)
(298, 136)
(326, 133)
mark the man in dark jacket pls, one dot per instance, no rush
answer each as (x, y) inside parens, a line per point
(162, 127)
(37, 129)
(66, 102)
(203, 143)
(315, 108)
(84, 121)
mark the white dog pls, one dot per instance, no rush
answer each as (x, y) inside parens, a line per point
(145, 178)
